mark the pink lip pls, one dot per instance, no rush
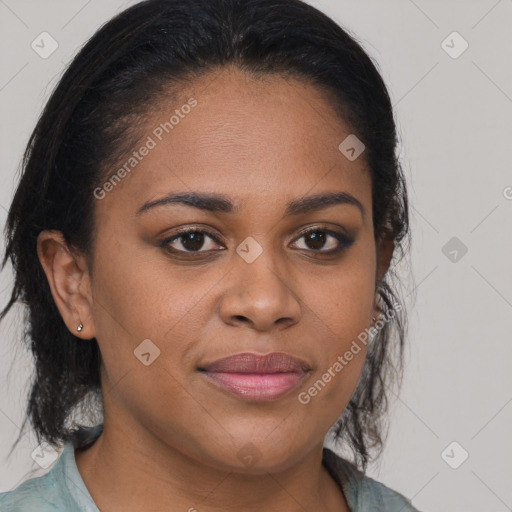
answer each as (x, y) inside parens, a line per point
(257, 377)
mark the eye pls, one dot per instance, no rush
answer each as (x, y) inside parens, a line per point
(191, 240)
(318, 238)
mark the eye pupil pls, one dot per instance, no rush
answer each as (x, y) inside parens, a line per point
(193, 241)
(318, 239)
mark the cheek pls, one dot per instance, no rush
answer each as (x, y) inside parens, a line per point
(343, 298)
(141, 291)
(140, 296)
(340, 336)
(341, 310)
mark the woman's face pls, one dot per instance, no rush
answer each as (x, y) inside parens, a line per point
(250, 281)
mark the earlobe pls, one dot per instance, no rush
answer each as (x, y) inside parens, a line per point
(385, 251)
(68, 280)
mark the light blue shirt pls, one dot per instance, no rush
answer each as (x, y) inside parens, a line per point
(63, 490)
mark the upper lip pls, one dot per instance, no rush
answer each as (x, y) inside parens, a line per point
(249, 362)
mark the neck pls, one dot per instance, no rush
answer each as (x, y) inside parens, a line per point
(123, 471)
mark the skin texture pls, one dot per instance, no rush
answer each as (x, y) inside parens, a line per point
(172, 440)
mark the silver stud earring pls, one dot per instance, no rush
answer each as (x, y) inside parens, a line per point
(79, 328)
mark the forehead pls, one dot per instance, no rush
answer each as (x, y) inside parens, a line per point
(249, 138)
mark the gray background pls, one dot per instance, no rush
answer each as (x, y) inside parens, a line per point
(454, 118)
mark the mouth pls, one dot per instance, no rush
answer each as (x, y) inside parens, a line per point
(256, 377)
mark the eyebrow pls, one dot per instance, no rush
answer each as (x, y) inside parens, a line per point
(220, 203)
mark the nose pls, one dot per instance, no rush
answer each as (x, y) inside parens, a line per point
(260, 295)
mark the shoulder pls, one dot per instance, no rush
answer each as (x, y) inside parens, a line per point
(46, 493)
(362, 492)
(383, 498)
(39, 494)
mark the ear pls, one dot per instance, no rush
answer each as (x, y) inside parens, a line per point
(69, 282)
(385, 248)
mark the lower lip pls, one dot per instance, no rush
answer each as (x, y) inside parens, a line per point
(256, 386)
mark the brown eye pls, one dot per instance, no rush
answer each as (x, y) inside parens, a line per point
(325, 241)
(190, 240)
(197, 241)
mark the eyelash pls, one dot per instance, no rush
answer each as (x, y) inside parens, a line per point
(344, 240)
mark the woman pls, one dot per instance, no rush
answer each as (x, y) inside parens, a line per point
(203, 235)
